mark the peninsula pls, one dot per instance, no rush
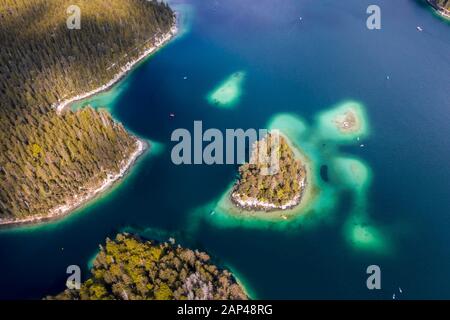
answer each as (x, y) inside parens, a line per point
(130, 268)
(51, 161)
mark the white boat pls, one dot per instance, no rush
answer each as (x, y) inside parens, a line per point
(419, 28)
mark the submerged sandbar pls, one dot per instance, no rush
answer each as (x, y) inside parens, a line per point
(347, 121)
(351, 173)
(228, 92)
(364, 235)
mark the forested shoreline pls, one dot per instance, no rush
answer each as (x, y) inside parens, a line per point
(130, 268)
(46, 158)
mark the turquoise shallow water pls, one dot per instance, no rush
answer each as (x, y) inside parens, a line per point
(392, 212)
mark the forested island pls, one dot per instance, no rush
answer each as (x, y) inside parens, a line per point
(129, 268)
(258, 189)
(52, 160)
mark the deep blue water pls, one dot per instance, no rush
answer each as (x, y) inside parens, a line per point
(291, 66)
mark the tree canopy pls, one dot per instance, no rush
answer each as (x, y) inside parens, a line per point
(279, 188)
(47, 158)
(129, 268)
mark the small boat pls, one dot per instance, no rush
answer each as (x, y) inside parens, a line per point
(172, 115)
(393, 296)
(419, 28)
(185, 78)
(212, 212)
(284, 217)
(400, 290)
(301, 18)
(362, 145)
(387, 77)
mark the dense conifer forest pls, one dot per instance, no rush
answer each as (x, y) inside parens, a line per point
(46, 158)
(129, 268)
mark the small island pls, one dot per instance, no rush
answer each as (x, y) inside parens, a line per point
(257, 190)
(346, 122)
(130, 268)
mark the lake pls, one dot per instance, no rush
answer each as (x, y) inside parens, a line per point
(298, 58)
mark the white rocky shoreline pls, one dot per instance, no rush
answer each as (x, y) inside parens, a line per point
(78, 201)
(251, 204)
(161, 41)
